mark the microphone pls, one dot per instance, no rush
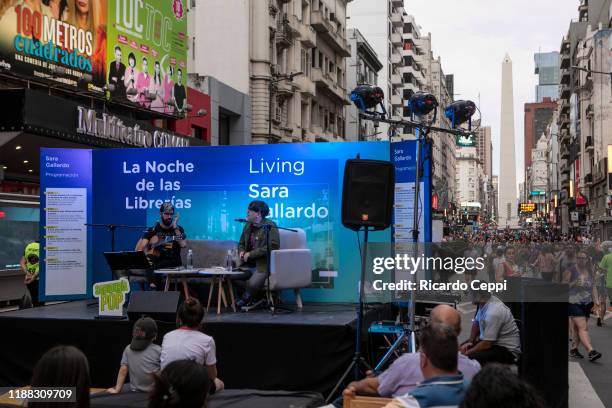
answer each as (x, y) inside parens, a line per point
(241, 220)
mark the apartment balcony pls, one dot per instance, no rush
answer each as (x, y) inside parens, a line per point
(583, 10)
(308, 36)
(589, 111)
(396, 59)
(396, 79)
(319, 22)
(285, 88)
(396, 39)
(340, 93)
(564, 105)
(307, 136)
(321, 79)
(328, 33)
(305, 84)
(396, 101)
(565, 136)
(588, 144)
(397, 3)
(588, 179)
(293, 24)
(565, 75)
(565, 92)
(564, 153)
(397, 19)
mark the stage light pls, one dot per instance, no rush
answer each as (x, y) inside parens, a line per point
(26, 161)
(17, 147)
(30, 171)
(111, 88)
(187, 107)
(367, 97)
(422, 103)
(151, 96)
(202, 112)
(460, 112)
(132, 92)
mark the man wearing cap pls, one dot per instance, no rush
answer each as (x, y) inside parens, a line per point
(163, 241)
(253, 250)
(140, 359)
(29, 264)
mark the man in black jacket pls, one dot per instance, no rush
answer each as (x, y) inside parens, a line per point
(116, 74)
(253, 250)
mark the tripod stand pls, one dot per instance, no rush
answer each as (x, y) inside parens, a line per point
(113, 227)
(358, 360)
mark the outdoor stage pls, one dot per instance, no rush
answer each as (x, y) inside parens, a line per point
(301, 351)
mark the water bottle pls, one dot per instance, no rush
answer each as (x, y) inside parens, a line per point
(190, 259)
(229, 261)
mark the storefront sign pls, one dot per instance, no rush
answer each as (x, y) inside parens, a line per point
(113, 128)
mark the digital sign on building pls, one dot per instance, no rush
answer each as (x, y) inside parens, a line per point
(134, 49)
(527, 208)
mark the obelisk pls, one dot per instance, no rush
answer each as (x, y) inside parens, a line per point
(507, 196)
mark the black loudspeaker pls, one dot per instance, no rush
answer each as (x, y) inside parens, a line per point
(367, 194)
(160, 306)
(544, 328)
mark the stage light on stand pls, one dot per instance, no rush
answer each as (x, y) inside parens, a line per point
(132, 92)
(460, 112)
(367, 97)
(422, 103)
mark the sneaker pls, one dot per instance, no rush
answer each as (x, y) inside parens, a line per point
(594, 355)
(576, 354)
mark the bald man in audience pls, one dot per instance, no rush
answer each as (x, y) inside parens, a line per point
(405, 372)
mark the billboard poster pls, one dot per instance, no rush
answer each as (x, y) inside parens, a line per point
(147, 53)
(58, 40)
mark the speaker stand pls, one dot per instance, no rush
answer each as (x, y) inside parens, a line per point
(358, 362)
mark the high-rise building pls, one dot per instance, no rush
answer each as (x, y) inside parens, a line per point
(507, 197)
(547, 69)
(485, 150)
(537, 118)
(258, 45)
(362, 68)
(584, 121)
(382, 23)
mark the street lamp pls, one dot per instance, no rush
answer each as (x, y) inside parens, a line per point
(271, 88)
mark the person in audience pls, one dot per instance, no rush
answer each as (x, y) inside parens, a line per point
(140, 358)
(496, 386)
(181, 384)
(495, 335)
(404, 374)
(30, 265)
(63, 366)
(189, 343)
(444, 385)
(253, 250)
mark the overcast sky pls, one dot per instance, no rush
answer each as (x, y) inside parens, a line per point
(472, 37)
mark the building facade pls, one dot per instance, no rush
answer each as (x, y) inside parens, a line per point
(537, 117)
(547, 69)
(288, 56)
(584, 122)
(362, 68)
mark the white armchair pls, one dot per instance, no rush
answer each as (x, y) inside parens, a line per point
(291, 265)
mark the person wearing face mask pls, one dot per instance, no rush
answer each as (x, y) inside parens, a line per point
(163, 241)
(29, 264)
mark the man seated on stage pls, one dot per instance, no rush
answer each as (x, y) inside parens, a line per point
(252, 249)
(495, 335)
(404, 374)
(163, 242)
